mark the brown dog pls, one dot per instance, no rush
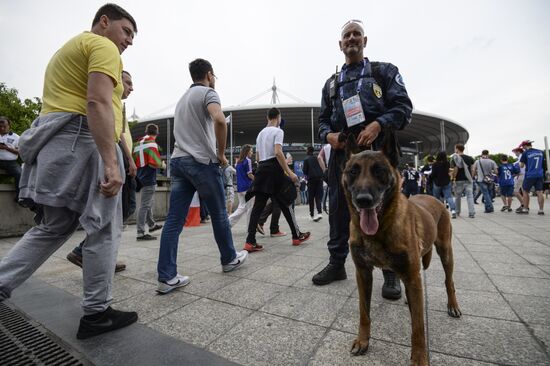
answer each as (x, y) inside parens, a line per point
(387, 230)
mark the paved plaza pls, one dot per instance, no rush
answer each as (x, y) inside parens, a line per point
(269, 313)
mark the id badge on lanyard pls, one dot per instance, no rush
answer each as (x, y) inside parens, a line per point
(353, 110)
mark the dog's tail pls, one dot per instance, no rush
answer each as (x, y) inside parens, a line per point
(426, 259)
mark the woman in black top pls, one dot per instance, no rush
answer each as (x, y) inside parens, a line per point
(442, 181)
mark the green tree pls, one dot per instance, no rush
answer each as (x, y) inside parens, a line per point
(21, 113)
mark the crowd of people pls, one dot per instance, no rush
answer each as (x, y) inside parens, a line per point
(450, 179)
(82, 124)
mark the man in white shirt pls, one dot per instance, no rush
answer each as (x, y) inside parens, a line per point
(270, 181)
(9, 152)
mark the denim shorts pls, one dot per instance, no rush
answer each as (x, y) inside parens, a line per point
(528, 183)
(507, 191)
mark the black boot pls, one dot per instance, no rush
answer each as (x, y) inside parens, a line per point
(391, 289)
(331, 273)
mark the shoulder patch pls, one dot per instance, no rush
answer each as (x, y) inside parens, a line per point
(399, 79)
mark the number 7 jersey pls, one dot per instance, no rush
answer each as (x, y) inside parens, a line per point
(533, 160)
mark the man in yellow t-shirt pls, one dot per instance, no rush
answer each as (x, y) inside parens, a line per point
(76, 175)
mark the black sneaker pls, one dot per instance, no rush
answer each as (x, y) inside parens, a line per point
(391, 289)
(146, 237)
(99, 323)
(330, 273)
(75, 259)
(504, 208)
(155, 228)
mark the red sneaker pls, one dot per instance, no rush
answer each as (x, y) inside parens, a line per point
(303, 237)
(253, 247)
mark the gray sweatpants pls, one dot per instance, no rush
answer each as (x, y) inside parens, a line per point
(145, 212)
(39, 243)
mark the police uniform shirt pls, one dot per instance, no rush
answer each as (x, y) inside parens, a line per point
(382, 93)
(11, 140)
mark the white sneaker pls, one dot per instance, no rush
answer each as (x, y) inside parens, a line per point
(174, 283)
(237, 262)
(318, 217)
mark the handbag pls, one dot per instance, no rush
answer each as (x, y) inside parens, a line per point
(487, 179)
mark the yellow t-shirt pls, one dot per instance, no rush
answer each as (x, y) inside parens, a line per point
(66, 79)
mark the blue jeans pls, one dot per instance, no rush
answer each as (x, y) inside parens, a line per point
(488, 200)
(436, 190)
(189, 176)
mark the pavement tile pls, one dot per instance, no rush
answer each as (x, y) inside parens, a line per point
(150, 306)
(307, 306)
(460, 265)
(542, 332)
(488, 248)
(279, 275)
(124, 288)
(254, 263)
(198, 264)
(300, 261)
(440, 359)
(515, 269)
(204, 283)
(143, 271)
(537, 259)
(491, 340)
(484, 304)
(200, 322)
(264, 339)
(462, 280)
(389, 322)
(71, 285)
(531, 309)
(509, 258)
(335, 351)
(247, 293)
(312, 251)
(522, 285)
(148, 254)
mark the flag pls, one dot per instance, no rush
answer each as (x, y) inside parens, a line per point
(146, 153)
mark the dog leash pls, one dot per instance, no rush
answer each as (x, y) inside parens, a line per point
(426, 315)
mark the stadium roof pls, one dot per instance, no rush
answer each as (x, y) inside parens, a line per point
(426, 129)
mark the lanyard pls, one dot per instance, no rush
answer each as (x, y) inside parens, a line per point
(359, 84)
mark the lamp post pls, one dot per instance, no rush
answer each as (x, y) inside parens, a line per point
(416, 156)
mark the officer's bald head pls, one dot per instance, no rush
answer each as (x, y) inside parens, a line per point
(353, 23)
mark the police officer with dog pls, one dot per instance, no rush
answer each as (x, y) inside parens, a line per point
(362, 99)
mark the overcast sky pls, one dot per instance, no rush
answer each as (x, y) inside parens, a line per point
(483, 64)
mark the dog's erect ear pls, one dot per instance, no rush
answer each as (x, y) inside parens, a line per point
(351, 146)
(390, 147)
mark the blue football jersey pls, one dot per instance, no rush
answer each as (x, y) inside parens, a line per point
(506, 174)
(533, 160)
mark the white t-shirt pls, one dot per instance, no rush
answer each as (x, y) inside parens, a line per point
(266, 140)
(11, 140)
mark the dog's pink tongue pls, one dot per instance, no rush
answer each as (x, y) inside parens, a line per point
(369, 221)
